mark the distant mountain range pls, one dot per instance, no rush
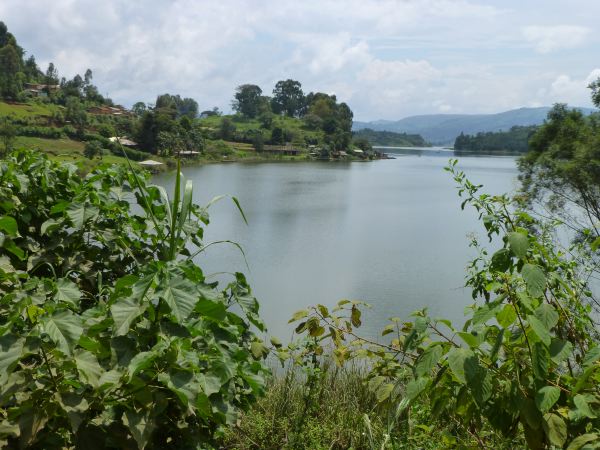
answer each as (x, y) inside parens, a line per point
(442, 129)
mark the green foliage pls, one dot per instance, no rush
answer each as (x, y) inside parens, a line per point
(8, 133)
(389, 138)
(525, 365)
(514, 140)
(92, 149)
(111, 337)
(561, 170)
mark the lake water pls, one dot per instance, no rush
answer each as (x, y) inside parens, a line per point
(389, 232)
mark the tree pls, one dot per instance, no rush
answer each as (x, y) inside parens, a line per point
(561, 171)
(51, 74)
(75, 113)
(8, 134)
(10, 67)
(92, 149)
(247, 100)
(277, 136)
(288, 98)
(177, 106)
(139, 108)
(226, 129)
(258, 142)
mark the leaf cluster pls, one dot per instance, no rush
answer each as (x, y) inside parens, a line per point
(110, 334)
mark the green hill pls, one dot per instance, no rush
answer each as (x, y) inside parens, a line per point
(444, 128)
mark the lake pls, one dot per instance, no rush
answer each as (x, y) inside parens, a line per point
(389, 232)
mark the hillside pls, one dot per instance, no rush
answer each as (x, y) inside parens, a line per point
(444, 128)
(390, 138)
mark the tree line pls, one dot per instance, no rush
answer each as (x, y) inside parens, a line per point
(514, 140)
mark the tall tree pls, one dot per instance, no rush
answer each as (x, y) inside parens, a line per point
(247, 100)
(10, 68)
(288, 98)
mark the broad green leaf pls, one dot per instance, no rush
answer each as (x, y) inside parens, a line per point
(49, 225)
(355, 316)
(68, 292)
(485, 313)
(140, 426)
(110, 378)
(497, 346)
(64, 328)
(179, 294)
(560, 350)
(428, 360)
(88, 366)
(183, 384)
(546, 397)
(556, 429)
(456, 361)
(471, 340)
(540, 330)
(75, 406)
(258, 350)
(592, 355)
(535, 279)
(30, 424)
(209, 383)
(140, 362)
(384, 391)
(547, 315)
(518, 244)
(211, 310)
(80, 213)
(124, 312)
(478, 380)
(500, 261)
(506, 316)
(9, 226)
(299, 315)
(583, 408)
(580, 441)
(540, 360)
(415, 387)
(11, 350)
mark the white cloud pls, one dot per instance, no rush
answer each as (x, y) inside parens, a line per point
(546, 39)
(565, 89)
(398, 71)
(385, 58)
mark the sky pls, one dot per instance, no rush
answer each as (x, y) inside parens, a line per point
(387, 59)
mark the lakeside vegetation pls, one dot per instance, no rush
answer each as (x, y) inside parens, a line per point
(112, 337)
(515, 140)
(390, 139)
(288, 125)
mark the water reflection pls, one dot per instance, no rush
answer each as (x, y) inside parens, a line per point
(389, 232)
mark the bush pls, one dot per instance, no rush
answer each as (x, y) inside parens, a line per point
(41, 132)
(110, 335)
(525, 366)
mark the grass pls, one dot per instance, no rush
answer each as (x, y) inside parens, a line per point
(295, 126)
(66, 150)
(22, 110)
(341, 412)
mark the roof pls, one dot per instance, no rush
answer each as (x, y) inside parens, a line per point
(357, 150)
(123, 141)
(150, 162)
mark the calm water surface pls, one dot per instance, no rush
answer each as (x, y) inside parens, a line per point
(388, 232)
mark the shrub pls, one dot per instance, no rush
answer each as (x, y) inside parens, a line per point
(524, 366)
(110, 335)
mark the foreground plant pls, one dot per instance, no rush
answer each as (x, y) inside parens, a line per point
(110, 335)
(526, 363)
